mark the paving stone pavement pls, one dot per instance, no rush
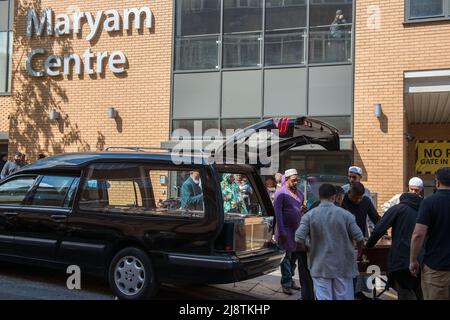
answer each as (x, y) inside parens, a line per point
(268, 287)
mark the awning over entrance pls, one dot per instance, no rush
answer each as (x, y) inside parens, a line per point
(427, 97)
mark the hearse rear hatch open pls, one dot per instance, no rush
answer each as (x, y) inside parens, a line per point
(249, 229)
(257, 144)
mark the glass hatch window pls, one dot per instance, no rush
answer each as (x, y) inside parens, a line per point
(245, 214)
(239, 195)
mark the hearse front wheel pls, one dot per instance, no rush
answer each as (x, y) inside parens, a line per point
(131, 275)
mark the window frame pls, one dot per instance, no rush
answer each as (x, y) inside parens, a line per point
(152, 166)
(175, 38)
(306, 65)
(9, 49)
(262, 66)
(223, 169)
(270, 33)
(443, 17)
(271, 29)
(27, 195)
(33, 191)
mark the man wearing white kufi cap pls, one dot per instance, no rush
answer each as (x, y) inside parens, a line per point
(288, 204)
(402, 218)
(415, 185)
(355, 174)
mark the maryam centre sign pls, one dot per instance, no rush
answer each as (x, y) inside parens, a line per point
(64, 24)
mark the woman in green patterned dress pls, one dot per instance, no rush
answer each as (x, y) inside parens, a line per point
(232, 200)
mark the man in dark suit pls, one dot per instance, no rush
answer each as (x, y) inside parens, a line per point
(192, 193)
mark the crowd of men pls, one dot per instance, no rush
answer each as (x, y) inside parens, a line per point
(325, 240)
(8, 167)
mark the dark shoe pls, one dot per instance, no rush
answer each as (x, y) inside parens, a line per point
(287, 291)
(361, 296)
(294, 286)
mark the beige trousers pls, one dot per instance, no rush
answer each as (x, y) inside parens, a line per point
(435, 284)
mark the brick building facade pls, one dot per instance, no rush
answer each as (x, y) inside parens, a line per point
(387, 47)
(141, 95)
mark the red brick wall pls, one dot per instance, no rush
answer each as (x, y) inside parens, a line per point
(141, 96)
(382, 56)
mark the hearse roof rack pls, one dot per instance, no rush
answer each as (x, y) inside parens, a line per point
(147, 149)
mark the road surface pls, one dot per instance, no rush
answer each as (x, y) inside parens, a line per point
(19, 282)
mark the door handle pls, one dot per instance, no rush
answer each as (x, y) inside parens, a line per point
(58, 218)
(10, 214)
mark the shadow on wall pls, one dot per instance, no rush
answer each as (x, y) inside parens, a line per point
(359, 162)
(384, 123)
(31, 131)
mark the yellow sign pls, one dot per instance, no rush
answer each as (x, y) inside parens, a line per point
(432, 155)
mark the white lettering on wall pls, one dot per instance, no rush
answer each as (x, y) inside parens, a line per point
(43, 23)
(112, 21)
(137, 13)
(90, 62)
(117, 58)
(64, 24)
(93, 24)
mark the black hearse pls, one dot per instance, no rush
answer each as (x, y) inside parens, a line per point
(136, 218)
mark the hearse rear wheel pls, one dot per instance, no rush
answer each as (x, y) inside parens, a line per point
(131, 275)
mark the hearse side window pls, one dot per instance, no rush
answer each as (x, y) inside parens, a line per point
(239, 195)
(140, 190)
(54, 191)
(14, 191)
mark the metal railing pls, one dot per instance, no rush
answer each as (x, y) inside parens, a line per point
(146, 149)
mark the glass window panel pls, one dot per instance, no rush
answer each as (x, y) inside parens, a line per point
(135, 189)
(9, 75)
(203, 126)
(285, 47)
(317, 169)
(4, 61)
(426, 8)
(242, 50)
(197, 53)
(11, 14)
(285, 14)
(330, 44)
(325, 12)
(4, 15)
(240, 195)
(329, 168)
(236, 124)
(343, 124)
(197, 17)
(242, 15)
(14, 191)
(52, 191)
(323, 169)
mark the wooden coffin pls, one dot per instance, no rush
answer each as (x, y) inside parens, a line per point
(378, 256)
